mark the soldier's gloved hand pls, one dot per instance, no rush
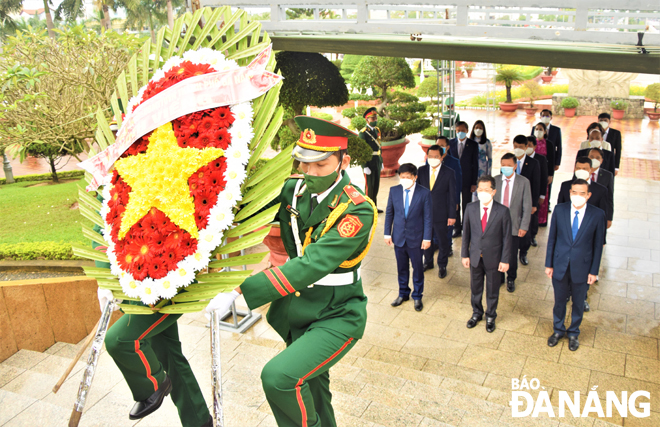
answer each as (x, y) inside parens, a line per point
(367, 171)
(221, 303)
(105, 295)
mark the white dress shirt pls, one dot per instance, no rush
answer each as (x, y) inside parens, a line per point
(522, 163)
(580, 212)
(481, 210)
(437, 172)
(504, 178)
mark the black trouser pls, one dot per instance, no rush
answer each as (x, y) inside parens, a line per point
(512, 273)
(526, 241)
(466, 197)
(493, 280)
(578, 292)
(441, 241)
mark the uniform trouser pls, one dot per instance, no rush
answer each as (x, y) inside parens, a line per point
(493, 280)
(526, 242)
(145, 348)
(297, 383)
(373, 184)
(404, 257)
(441, 240)
(578, 292)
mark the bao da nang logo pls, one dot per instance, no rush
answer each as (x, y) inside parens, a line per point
(523, 403)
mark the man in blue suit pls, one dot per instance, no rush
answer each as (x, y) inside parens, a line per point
(409, 228)
(575, 246)
(452, 163)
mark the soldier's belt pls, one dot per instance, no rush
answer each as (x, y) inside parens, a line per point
(376, 153)
(340, 279)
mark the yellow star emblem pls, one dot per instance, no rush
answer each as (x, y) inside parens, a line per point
(159, 178)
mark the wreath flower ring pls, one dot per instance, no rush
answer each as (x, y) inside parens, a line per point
(171, 194)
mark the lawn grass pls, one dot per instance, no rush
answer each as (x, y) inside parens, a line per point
(39, 214)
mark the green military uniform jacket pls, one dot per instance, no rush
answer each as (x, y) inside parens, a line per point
(372, 137)
(298, 304)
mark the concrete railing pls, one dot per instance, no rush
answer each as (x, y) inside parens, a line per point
(605, 21)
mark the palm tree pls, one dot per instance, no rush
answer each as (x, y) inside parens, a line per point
(147, 13)
(508, 75)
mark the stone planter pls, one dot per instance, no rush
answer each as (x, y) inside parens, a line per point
(509, 107)
(426, 143)
(569, 112)
(618, 114)
(392, 152)
(274, 243)
(459, 74)
(547, 79)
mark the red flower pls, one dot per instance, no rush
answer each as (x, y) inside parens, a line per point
(171, 256)
(173, 240)
(196, 69)
(204, 140)
(221, 139)
(207, 124)
(219, 164)
(188, 245)
(223, 117)
(205, 201)
(139, 269)
(157, 268)
(157, 242)
(214, 180)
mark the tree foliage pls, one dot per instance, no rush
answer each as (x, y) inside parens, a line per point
(348, 65)
(508, 74)
(52, 89)
(7, 8)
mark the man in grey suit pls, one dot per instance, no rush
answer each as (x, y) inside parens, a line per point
(486, 249)
(514, 192)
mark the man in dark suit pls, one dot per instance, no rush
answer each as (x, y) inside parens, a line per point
(599, 195)
(612, 136)
(486, 250)
(530, 169)
(600, 175)
(545, 180)
(409, 228)
(575, 246)
(513, 191)
(467, 151)
(596, 142)
(452, 163)
(441, 181)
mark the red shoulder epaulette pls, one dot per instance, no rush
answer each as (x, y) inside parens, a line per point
(354, 195)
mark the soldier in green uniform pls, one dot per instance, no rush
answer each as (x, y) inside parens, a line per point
(317, 303)
(371, 134)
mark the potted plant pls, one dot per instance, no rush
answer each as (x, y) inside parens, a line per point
(469, 67)
(547, 77)
(653, 93)
(508, 75)
(618, 108)
(553, 71)
(569, 104)
(399, 113)
(532, 90)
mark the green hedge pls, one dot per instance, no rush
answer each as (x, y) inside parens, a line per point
(35, 250)
(45, 176)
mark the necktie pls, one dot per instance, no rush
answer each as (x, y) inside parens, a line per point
(506, 193)
(406, 204)
(460, 150)
(593, 176)
(519, 167)
(484, 220)
(432, 178)
(576, 225)
(315, 203)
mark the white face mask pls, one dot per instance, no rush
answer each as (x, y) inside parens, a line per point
(578, 201)
(484, 197)
(518, 152)
(435, 162)
(539, 134)
(595, 143)
(595, 163)
(605, 125)
(478, 132)
(529, 151)
(406, 182)
(582, 174)
(546, 119)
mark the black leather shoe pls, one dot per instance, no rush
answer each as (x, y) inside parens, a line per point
(145, 407)
(523, 259)
(398, 301)
(442, 272)
(209, 423)
(418, 305)
(457, 233)
(380, 211)
(510, 285)
(490, 324)
(573, 343)
(586, 306)
(451, 253)
(554, 339)
(534, 242)
(428, 267)
(473, 321)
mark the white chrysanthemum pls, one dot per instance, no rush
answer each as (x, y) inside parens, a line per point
(171, 63)
(243, 111)
(222, 214)
(236, 153)
(147, 291)
(167, 286)
(235, 174)
(209, 238)
(184, 273)
(105, 192)
(129, 285)
(199, 259)
(226, 65)
(159, 74)
(241, 134)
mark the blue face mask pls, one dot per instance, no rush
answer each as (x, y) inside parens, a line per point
(506, 170)
(461, 135)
